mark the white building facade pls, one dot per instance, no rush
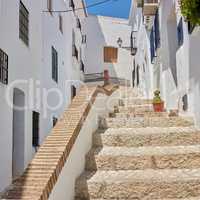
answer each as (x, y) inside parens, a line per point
(172, 58)
(39, 74)
(102, 49)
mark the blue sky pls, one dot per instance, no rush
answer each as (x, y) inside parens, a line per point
(114, 8)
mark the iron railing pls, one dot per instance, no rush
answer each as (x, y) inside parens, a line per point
(99, 77)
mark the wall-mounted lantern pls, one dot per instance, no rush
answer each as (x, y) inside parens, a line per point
(133, 47)
(119, 42)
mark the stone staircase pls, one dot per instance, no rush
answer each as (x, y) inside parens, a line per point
(139, 154)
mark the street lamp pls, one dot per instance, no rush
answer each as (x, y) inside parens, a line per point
(133, 47)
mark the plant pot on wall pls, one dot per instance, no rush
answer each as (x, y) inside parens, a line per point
(158, 107)
(158, 103)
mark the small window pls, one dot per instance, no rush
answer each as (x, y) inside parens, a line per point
(190, 27)
(84, 39)
(55, 120)
(78, 23)
(185, 102)
(75, 52)
(23, 24)
(110, 54)
(35, 126)
(73, 91)
(72, 5)
(49, 6)
(138, 75)
(54, 65)
(3, 67)
(180, 32)
(61, 23)
(143, 67)
(82, 67)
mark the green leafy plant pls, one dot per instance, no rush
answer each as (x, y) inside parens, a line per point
(157, 99)
(191, 11)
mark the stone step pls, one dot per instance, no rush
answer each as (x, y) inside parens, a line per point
(136, 109)
(127, 115)
(137, 101)
(137, 122)
(139, 184)
(123, 158)
(151, 136)
(192, 198)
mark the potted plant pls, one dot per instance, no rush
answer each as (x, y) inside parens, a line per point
(190, 9)
(158, 103)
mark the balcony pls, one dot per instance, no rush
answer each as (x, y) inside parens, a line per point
(150, 7)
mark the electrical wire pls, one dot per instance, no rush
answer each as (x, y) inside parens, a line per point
(85, 7)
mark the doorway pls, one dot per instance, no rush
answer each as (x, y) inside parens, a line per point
(73, 91)
(18, 133)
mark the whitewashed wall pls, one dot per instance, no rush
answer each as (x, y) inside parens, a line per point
(143, 57)
(104, 31)
(34, 63)
(178, 70)
(24, 63)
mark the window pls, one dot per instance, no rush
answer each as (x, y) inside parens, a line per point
(3, 67)
(138, 75)
(82, 67)
(55, 120)
(78, 23)
(185, 102)
(75, 51)
(61, 23)
(74, 48)
(54, 65)
(84, 39)
(190, 27)
(35, 126)
(71, 4)
(23, 24)
(180, 32)
(110, 54)
(73, 91)
(49, 6)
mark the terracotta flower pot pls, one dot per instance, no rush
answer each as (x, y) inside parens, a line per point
(158, 107)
